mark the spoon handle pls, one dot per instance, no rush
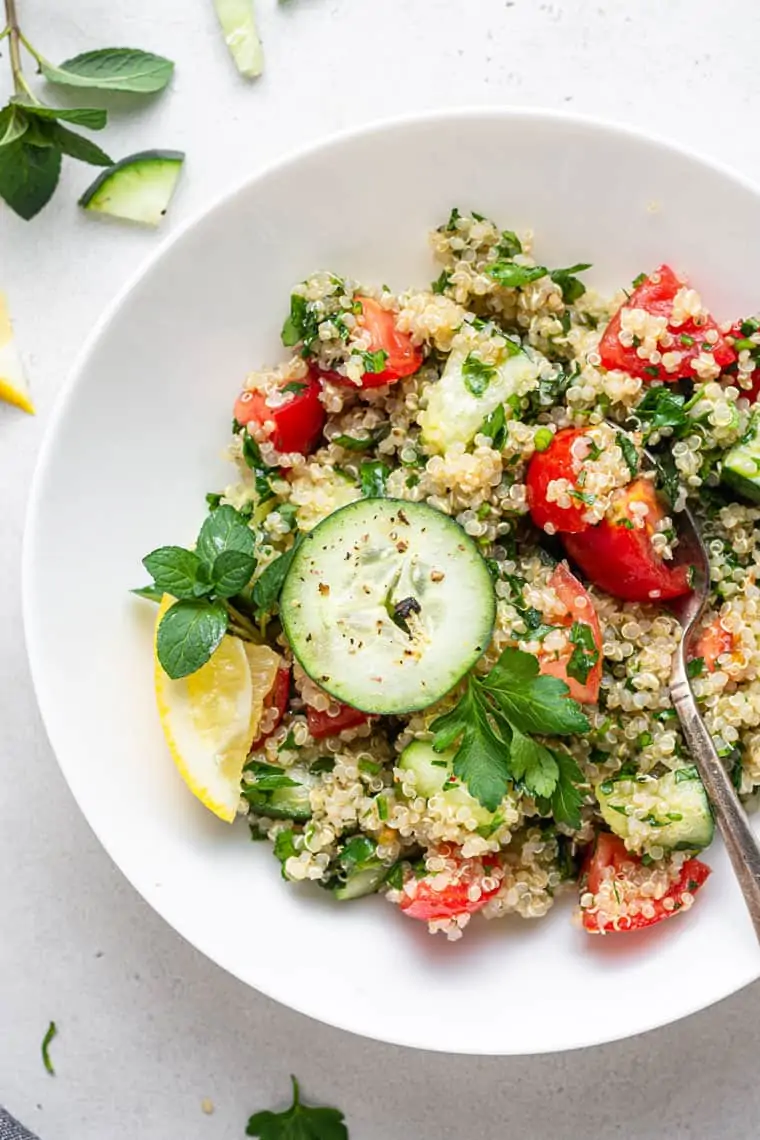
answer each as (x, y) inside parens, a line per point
(738, 836)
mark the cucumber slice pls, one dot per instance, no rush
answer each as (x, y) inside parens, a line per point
(361, 872)
(671, 811)
(279, 793)
(741, 465)
(241, 35)
(432, 770)
(137, 189)
(387, 604)
(456, 408)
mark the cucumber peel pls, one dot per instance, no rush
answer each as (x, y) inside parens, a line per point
(137, 189)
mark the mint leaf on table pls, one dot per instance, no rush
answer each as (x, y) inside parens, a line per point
(93, 118)
(223, 530)
(28, 175)
(231, 572)
(299, 1122)
(13, 124)
(188, 634)
(76, 146)
(174, 570)
(112, 69)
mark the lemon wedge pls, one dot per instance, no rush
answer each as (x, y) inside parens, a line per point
(14, 388)
(210, 718)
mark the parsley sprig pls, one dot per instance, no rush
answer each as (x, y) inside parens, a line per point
(299, 1122)
(494, 724)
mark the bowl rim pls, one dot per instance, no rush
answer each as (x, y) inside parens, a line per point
(335, 139)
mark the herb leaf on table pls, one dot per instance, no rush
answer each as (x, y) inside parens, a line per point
(299, 1122)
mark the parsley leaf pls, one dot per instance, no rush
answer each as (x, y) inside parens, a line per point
(531, 701)
(495, 427)
(566, 800)
(572, 288)
(482, 758)
(372, 476)
(354, 443)
(695, 667)
(585, 655)
(302, 324)
(299, 1122)
(511, 276)
(477, 374)
(295, 386)
(510, 244)
(374, 362)
(630, 455)
(662, 408)
(533, 764)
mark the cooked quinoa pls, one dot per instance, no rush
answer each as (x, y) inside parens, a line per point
(393, 440)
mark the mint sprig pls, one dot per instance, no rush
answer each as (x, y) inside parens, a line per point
(494, 723)
(33, 139)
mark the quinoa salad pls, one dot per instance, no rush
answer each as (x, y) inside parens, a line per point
(422, 644)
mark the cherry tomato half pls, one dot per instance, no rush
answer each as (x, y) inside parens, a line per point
(401, 356)
(580, 611)
(563, 459)
(608, 862)
(420, 898)
(295, 425)
(656, 295)
(617, 554)
(277, 698)
(321, 725)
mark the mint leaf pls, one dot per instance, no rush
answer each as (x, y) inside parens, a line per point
(74, 145)
(532, 703)
(299, 1122)
(566, 800)
(224, 529)
(13, 124)
(267, 588)
(534, 764)
(93, 118)
(28, 176)
(150, 593)
(477, 374)
(372, 477)
(231, 573)
(112, 69)
(512, 276)
(482, 757)
(174, 570)
(189, 632)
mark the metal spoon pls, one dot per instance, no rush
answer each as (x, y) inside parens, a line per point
(742, 845)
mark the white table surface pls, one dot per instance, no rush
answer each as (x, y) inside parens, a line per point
(148, 1028)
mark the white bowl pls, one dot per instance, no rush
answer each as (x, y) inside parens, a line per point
(136, 442)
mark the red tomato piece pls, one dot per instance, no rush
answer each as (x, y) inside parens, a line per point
(753, 391)
(712, 643)
(321, 725)
(615, 878)
(656, 295)
(277, 698)
(617, 555)
(402, 358)
(420, 898)
(295, 425)
(580, 609)
(563, 459)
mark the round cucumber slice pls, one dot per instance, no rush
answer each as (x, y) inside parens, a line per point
(387, 604)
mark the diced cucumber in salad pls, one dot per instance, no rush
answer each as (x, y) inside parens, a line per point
(423, 639)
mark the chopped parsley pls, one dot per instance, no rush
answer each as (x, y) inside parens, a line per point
(299, 1122)
(510, 244)
(652, 370)
(52, 1030)
(354, 443)
(695, 667)
(262, 473)
(495, 427)
(477, 374)
(374, 362)
(662, 407)
(630, 455)
(512, 276)
(373, 476)
(638, 281)
(213, 500)
(572, 288)
(441, 284)
(686, 340)
(585, 655)
(295, 386)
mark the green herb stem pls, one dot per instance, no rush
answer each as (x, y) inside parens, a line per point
(247, 629)
(14, 32)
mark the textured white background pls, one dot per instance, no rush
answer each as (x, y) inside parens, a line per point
(147, 1027)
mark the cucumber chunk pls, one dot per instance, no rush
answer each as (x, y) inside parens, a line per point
(361, 872)
(137, 189)
(432, 771)
(456, 407)
(741, 465)
(241, 35)
(670, 811)
(387, 604)
(278, 793)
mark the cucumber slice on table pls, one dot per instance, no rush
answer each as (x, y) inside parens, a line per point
(137, 189)
(671, 811)
(241, 35)
(741, 465)
(432, 770)
(387, 604)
